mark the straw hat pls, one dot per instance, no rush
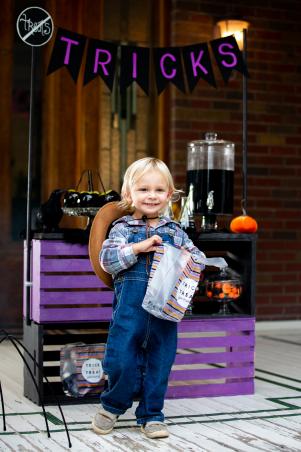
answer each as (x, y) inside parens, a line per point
(99, 230)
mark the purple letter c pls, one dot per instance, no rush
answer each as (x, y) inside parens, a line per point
(174, 71)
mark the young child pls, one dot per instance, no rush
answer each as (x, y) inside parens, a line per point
(140, 348)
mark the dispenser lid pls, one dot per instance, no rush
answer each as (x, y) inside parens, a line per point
(210, 139)
(210, 153)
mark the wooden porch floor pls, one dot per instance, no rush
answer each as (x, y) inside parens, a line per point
(269, 420)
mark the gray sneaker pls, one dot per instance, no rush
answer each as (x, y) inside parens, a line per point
(104, 422)
(155, 429)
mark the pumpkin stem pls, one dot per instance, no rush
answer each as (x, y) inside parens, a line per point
(244, 212)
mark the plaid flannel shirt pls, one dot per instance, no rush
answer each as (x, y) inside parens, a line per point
(117, 253)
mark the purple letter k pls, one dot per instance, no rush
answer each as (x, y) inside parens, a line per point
(196, 63)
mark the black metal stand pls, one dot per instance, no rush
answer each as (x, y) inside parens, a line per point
(27, 358)
(29, 184)
(245, 125)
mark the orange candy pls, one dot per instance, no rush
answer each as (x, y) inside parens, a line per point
(221, 290)
(226, 287)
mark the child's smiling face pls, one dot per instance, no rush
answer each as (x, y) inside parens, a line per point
(150, 194)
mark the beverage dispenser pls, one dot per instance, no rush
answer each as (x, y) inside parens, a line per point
(210, 177)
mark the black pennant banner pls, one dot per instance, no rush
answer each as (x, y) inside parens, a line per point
(168, 68)
(228, 57)
(67, 51)
(101, 60)
(134, 66)
(198, 64)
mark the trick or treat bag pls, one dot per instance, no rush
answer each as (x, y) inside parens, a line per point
(81, 369)
(174, 277)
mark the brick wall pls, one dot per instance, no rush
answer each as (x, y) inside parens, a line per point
(274, 133)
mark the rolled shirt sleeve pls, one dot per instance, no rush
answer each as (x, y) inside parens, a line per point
(116, 253)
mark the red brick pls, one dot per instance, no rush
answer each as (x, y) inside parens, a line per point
(274, 137)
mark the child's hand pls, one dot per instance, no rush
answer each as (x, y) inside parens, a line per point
(147, 245)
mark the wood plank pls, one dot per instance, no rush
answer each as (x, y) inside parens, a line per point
(239, 441)
(69, 281)
(262, 430)
(73, 315)
(60, 248)
(228, 341)
(210, 374)
(72, 297)
(198, 438)
(219, 324)
(224, 357)
(211, 390)
(65, 265)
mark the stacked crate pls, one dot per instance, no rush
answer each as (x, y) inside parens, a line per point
(70, 304)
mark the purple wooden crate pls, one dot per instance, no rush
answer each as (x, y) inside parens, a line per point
(65, 288)
(226, 369)
(214, 357)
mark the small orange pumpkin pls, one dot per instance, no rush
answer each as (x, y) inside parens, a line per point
(244, 224)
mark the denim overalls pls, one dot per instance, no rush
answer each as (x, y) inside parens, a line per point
(141, 348)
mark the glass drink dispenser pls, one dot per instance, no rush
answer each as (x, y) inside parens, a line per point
(210, 177)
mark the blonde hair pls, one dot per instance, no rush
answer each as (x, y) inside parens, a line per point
(137, 170)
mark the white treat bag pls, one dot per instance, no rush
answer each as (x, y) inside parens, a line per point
(173, 280)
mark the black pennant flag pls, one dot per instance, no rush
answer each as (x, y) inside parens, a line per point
(134, 66)
(228, 56)
(168, 68)
(67, 51)
(101, 60)
(197, 64)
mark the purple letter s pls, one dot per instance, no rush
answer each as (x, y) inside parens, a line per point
(224, 63)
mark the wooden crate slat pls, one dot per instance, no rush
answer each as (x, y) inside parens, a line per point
(69, 281)
(221, 341)
(211, 390)
(217, 324)
(75, 315)
(225, 357)
(59, 341)
(72, 297)
(55, 388)
(70, 264)
(210, 374)
(60, 248)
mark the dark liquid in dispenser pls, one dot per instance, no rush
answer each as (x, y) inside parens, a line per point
(204, 181)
